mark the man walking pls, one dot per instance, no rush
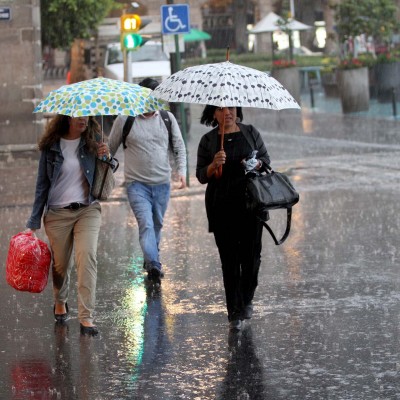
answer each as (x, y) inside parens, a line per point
(147, 139)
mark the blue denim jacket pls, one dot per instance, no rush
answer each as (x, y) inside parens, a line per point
(49, 168)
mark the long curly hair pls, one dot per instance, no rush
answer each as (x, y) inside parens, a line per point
(207, 117)
(58, 127)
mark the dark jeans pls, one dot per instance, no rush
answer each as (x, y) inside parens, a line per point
(240, 252)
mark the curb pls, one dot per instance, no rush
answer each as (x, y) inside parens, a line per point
(17, 148)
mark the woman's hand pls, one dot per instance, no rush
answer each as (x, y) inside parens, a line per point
(218, 161)
(103, 151)
(251, 163)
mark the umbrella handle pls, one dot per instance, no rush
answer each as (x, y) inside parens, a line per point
(218, 172)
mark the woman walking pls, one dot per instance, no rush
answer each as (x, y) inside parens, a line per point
(71, 215)
(237, 231)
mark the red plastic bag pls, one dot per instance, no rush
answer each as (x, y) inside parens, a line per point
(28, 263)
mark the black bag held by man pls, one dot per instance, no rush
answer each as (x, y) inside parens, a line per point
(271, 190)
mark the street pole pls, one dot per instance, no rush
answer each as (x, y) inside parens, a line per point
(127, 66)
(127, 59)
(292, 8)
(181, 105)
(290, 32)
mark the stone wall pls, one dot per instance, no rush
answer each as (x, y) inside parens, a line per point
(20, 73)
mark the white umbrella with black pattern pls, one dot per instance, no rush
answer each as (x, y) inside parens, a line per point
(225, 84)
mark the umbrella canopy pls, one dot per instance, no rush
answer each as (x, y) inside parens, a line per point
(196, 35)
(100, 96)
(225, 84)
(270, 23)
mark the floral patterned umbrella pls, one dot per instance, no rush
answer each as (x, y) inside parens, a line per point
(225, 84)
(100, 96)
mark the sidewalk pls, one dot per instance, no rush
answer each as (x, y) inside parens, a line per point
(322, 103)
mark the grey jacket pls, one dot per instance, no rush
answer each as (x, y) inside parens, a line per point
(146, 158)
(48, 170)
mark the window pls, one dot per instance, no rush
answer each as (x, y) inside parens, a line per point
(151, 52)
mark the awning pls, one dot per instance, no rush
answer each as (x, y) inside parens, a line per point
(270, 23)
(196, 35)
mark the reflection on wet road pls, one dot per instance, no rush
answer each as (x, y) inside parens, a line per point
(327, 310)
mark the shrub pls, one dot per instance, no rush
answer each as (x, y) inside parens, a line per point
(351, 63)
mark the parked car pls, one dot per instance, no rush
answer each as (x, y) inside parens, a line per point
(150, 60)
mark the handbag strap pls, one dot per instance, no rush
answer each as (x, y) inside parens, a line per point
(113, 163)
(287, 231)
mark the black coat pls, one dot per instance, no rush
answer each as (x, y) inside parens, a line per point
(225, 196)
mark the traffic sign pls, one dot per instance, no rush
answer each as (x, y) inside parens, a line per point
(175, 18)
(131, 41)
(130, 23)
(5, 13)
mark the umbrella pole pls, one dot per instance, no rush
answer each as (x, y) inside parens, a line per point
(223, 131)
(218, 172)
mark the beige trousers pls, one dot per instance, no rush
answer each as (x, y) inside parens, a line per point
(73, 236)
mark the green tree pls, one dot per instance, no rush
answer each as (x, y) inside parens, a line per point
(375, 18)
(63, 21)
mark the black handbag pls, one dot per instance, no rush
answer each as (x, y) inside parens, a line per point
(269, 190)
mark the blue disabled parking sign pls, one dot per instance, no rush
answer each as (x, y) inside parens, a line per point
(175, 18)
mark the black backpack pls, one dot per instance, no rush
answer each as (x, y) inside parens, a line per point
(129, 122)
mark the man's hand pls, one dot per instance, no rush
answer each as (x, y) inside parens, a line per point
(182, 180)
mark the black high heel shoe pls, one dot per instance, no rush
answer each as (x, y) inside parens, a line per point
(61, 318)
(89, 330)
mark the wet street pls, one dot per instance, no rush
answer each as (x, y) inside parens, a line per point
(326, 321)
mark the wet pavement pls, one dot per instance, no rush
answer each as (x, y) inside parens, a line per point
(327, 310)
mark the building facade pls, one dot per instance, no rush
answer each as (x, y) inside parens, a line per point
(20, 72)
(219, 21)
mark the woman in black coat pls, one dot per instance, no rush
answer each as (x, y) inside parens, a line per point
(237, 231)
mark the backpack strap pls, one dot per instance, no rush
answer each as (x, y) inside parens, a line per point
(168, 124)
(126, 129)
(165, 117)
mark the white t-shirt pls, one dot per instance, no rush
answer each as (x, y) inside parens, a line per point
(71, 185)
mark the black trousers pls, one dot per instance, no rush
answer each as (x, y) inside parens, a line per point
(239, 248)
